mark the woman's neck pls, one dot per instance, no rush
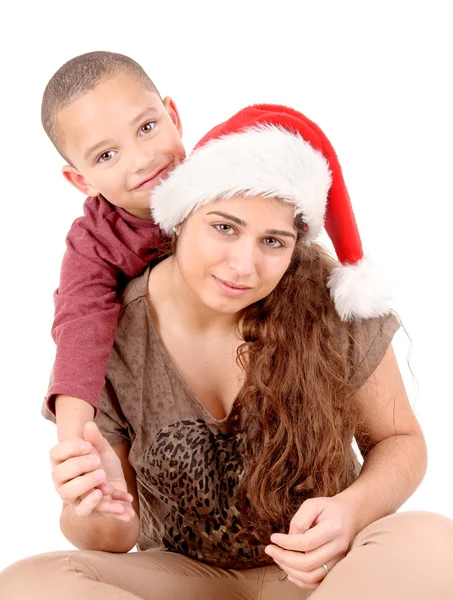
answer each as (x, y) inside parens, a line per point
(171, 298)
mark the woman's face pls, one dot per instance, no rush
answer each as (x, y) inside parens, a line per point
(232, 253)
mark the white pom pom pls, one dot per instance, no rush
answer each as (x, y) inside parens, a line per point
(359, 291)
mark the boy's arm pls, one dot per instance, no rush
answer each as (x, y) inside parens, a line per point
(72, 414)
(103, 247)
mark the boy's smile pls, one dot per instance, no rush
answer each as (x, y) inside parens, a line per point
(122, 139)
(149, 182)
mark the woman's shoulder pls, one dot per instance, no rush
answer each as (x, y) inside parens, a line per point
(132, 342)
(366, 342)
(135, 289)
(364, 334)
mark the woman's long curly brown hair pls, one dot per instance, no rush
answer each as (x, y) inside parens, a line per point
(296, 400)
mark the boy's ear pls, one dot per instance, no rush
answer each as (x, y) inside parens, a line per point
(170, 107)
(78, 180)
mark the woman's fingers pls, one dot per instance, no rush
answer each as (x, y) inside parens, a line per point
(76, 477)
(305, 561)
(315, 537)
(66, 450)
(74, 467)
(72, 490)
(309, 579)
(105, 487)
(82, 482)
(92, 434)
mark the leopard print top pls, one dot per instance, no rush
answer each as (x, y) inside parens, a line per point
(187, 463)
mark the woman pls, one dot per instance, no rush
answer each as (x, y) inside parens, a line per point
(244, 364)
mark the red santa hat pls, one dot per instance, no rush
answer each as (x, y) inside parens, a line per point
(275, 151)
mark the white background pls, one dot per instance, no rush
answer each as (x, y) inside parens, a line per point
(375, 76)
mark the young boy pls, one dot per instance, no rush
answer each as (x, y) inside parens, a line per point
(119, 138)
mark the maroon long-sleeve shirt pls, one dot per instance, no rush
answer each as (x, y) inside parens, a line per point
(103, 248)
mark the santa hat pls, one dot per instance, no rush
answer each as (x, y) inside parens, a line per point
(275, 151)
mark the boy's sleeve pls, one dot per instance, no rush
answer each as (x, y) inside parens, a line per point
(104, 247)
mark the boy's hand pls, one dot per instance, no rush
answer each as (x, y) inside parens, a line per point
(88, 476)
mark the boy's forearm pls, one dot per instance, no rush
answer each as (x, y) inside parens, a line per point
(98, 532)
(71, 414)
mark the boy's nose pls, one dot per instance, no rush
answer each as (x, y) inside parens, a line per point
(140, 160)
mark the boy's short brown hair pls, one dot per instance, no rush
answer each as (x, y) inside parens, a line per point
(78, 76)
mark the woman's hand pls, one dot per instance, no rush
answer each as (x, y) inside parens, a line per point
(320, 533)
(88, 476)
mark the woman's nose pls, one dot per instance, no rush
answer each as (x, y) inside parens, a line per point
(243, 257)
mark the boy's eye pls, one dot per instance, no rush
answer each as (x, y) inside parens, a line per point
(273, 243)
(105, 156)
(147, 127)
(225, 229)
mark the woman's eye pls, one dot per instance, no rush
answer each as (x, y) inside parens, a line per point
(147, 127)
(224, 228)
(273, 243)
(105, 156)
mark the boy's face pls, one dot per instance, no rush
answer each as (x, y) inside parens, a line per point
(121, 139)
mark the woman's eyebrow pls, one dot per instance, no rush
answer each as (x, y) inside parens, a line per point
(227, 216)
(280, 232)
(244, 224)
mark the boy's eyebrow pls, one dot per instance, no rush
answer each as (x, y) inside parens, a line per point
(244, 224)
(97, 146)
(107, 142)
(147, 111)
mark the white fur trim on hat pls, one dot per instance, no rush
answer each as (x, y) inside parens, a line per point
(264, 160)
(359, 291)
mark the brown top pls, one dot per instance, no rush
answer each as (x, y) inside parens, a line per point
(188, 463)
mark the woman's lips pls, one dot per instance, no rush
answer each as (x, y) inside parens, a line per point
(231, 289)
(152, 181)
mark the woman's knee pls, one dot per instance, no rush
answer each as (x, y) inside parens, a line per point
(40, 576)
(417, 530)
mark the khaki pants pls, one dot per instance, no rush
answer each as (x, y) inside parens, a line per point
(406, 556)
